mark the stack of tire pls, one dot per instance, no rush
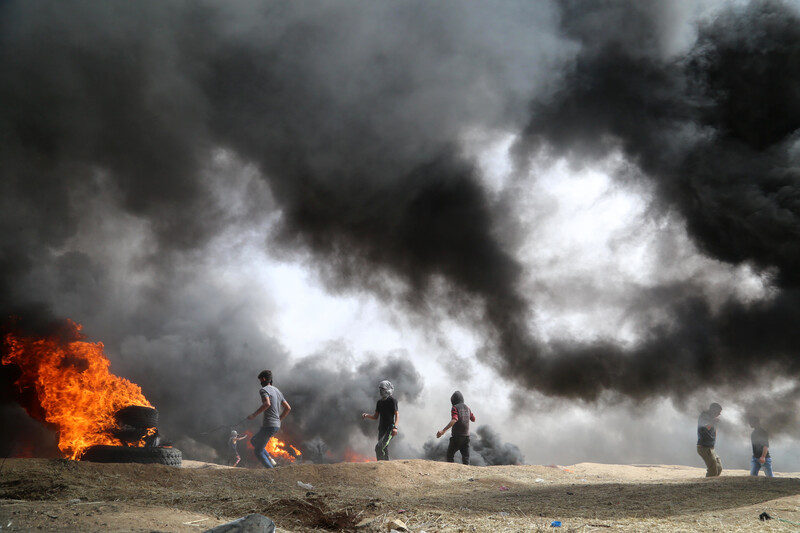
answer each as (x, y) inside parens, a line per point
(133, 425)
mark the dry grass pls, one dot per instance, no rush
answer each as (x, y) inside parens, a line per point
(60, 495)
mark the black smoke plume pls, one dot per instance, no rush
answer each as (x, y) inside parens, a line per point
(715, 130)
(486, 449)
(139, 138)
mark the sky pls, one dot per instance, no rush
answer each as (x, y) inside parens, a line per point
(581, 214)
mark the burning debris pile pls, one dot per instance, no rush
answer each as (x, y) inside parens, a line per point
(65, 383)
(280, 451)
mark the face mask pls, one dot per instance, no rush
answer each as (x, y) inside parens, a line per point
(386, 389)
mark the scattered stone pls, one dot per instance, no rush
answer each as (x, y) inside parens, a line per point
(367, 522)
(396, 524)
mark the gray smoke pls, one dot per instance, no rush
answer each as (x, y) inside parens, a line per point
(715, 132)
(486, 449)
(332, 397)
(140, 140)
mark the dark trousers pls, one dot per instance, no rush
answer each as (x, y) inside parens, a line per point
(461, 444)
(382, 448)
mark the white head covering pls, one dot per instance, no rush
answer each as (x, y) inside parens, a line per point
(234, 433)
(386, 389)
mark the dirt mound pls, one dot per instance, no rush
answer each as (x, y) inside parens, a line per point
(63, 495)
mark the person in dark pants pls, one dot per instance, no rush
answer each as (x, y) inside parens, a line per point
(460, 417)
(707, 439)
(275, 408)
(387, 415)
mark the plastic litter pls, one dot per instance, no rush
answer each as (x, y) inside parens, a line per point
(539, 480)
(503, 487)
(306, 486)
(556, 523)
(252, 523)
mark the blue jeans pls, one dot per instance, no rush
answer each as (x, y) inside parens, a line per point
(259, 442)
(755, 466)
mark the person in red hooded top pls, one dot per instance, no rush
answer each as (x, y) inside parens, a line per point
(460, 417)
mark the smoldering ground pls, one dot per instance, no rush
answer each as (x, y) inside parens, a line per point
(141, 140)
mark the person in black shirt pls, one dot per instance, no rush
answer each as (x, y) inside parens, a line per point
(707, 439)
(760, 440)
(387, 416)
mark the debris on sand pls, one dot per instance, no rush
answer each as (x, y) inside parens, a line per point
(253, 523)
(396, 525)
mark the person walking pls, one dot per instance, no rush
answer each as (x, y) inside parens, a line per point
(275, 408)
(707, 439)
(387, 415)
(760, 441)
(460, 417)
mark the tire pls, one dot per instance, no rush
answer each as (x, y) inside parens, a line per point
(125, 454)
(129, 435)
(137, 416)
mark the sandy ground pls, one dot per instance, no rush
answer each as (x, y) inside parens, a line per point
(63, 495)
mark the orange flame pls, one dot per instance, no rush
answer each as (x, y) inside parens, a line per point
(351, 456)
(149, 433)
(75, 390)
(277, 448)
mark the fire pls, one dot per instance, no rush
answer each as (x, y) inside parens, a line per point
(74, 388)
(277, 448)
(148, 433)
(351, 456)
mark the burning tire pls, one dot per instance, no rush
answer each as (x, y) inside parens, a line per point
(137, 416)
(125, 454)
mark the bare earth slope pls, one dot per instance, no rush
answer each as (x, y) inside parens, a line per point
(63, 495)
